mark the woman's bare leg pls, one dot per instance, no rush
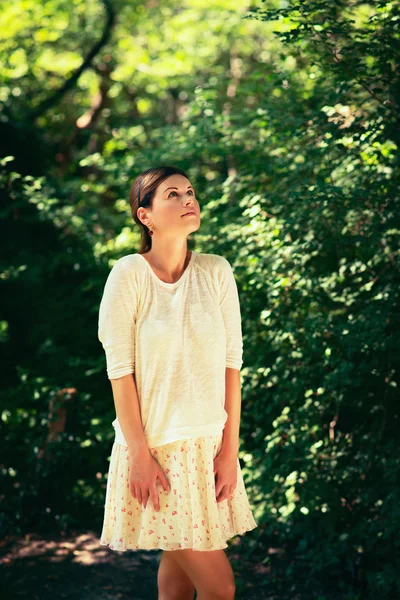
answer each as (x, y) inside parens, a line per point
(210, 572)
(173, 582)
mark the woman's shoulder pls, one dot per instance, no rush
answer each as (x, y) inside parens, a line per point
(129, 262)
(127, 268)
(210, 259)
(215, 264)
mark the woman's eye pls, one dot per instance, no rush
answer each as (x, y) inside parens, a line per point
(191, 191)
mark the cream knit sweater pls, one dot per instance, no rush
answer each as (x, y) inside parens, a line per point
(177, 339)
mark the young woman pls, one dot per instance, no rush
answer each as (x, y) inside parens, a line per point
(170, 326)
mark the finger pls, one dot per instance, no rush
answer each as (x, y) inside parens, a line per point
(132, 490)
(226, 490)
(222, 497)
(164, 481)
(155, 498)
(220, 489)
(145, 497)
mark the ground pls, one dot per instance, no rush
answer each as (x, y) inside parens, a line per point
(77, 567)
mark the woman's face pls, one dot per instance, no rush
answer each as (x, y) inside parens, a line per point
(174, 197)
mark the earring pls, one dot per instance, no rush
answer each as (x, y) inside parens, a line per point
(150, 232)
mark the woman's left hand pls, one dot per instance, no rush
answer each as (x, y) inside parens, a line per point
(225, 474)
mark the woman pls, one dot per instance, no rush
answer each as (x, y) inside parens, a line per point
(170, 325)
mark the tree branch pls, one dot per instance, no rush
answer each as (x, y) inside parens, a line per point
(71, 82)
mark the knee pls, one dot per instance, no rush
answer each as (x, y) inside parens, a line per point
(176, 591)
(229, 592)
(224, 591)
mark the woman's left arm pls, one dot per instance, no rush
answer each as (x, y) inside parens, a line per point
(233, 401)
(225, 463)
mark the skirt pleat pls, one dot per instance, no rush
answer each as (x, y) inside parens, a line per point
(189, 515)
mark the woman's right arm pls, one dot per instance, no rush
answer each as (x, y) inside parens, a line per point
(127, 407)
(117, 333)
(144, 468)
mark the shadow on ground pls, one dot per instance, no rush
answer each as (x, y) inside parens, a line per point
(77, 567)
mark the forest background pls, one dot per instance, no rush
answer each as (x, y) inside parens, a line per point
(286, 116)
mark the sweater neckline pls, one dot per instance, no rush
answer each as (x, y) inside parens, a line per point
(172, 284)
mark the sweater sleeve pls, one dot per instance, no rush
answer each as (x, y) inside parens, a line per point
(117, 319)
(230, 308)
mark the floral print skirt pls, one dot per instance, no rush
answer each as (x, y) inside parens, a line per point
(189, 515)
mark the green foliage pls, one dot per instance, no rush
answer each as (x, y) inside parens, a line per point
(287, 119)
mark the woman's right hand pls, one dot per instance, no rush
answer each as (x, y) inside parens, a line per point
(143, 474)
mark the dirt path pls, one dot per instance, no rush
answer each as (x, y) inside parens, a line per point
(77, 567)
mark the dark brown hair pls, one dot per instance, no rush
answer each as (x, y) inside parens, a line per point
(148, 180)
